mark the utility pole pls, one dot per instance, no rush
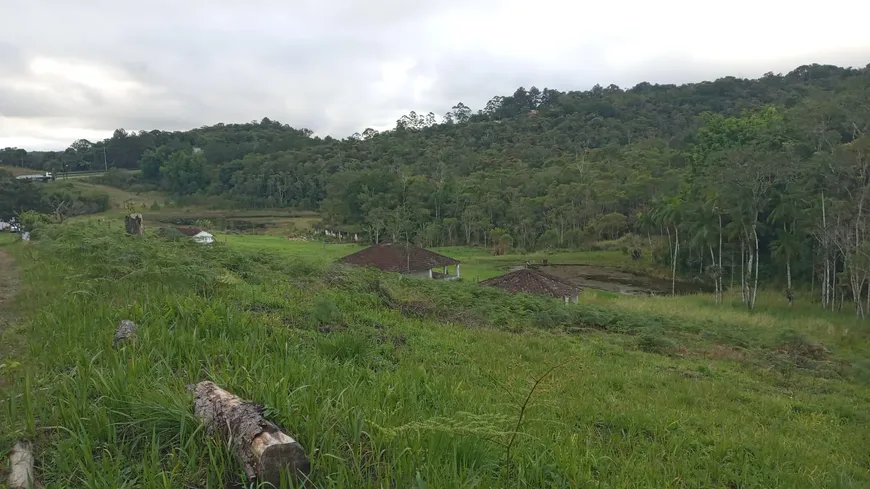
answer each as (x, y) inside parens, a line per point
(105, 162)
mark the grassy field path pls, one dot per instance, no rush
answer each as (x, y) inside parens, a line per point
(9, 280)
(10, 284)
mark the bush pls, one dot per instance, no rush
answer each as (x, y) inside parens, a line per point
(31, 220)
(800, 346)
(73, 200)
(170, 234)
(655, 342)
(325, 312)
(124, 179)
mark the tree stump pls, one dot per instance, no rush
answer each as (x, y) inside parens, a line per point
(21, 466)
(263, 449)
(133, 224)
(125, 332)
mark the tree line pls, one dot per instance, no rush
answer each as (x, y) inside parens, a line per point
(736, 181)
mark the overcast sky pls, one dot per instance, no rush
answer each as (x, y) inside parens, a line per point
(80, 69)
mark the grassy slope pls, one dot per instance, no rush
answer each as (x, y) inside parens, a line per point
(118, 197)
(389, 395)
(17, 170)
(477, 264)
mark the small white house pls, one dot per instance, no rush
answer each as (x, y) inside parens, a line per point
(4, 225)
(203, 237)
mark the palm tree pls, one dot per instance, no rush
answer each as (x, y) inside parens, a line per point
(787, 244)
(706, 232)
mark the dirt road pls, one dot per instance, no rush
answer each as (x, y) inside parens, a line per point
(9, 280)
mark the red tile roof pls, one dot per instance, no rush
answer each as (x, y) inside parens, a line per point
(395, 257)
(189, 231)
(534, 281)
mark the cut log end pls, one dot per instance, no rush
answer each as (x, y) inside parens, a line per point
(288, 459)
(21, 466)
(125, 332)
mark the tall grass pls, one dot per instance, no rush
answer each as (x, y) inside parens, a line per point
(390, 382)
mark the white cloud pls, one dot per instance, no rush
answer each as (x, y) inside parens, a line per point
(82, 69)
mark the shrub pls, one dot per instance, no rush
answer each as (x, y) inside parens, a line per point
(655, 342)
(345, 347)
(170, 234)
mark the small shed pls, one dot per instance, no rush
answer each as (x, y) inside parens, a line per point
(405, 259)
(198, 235)
(188, 231)
(204, 237)
(534, 281)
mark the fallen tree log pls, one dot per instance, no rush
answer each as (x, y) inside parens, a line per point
(21, 466)
(263, 449)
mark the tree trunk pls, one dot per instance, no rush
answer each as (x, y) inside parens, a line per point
(856, 294)
(266, 453)
(757, 261)
(721, 270)
(747, 287)
(676, 253)
(731, 287)
(670, 245)
(21, 467)
(824, 285)
(788, 292)
(716, 277)
(133, 224)
(742, 271)
(867, 308)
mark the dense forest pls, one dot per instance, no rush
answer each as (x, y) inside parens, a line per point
(733, 180)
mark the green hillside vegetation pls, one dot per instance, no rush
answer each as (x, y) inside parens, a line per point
(18, 170)
(753, 189)
(60, 199)
(750, 164)
(391, 382)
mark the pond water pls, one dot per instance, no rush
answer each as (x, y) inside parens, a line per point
(620, 281)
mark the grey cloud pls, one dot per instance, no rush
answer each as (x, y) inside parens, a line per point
(308, 63)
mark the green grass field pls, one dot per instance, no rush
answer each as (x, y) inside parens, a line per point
(271, 222)
(7, 238)
(17, 170)
(477, 264)
(118, 198)
(394, 382)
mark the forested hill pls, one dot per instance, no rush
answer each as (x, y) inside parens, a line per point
(547, 168)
